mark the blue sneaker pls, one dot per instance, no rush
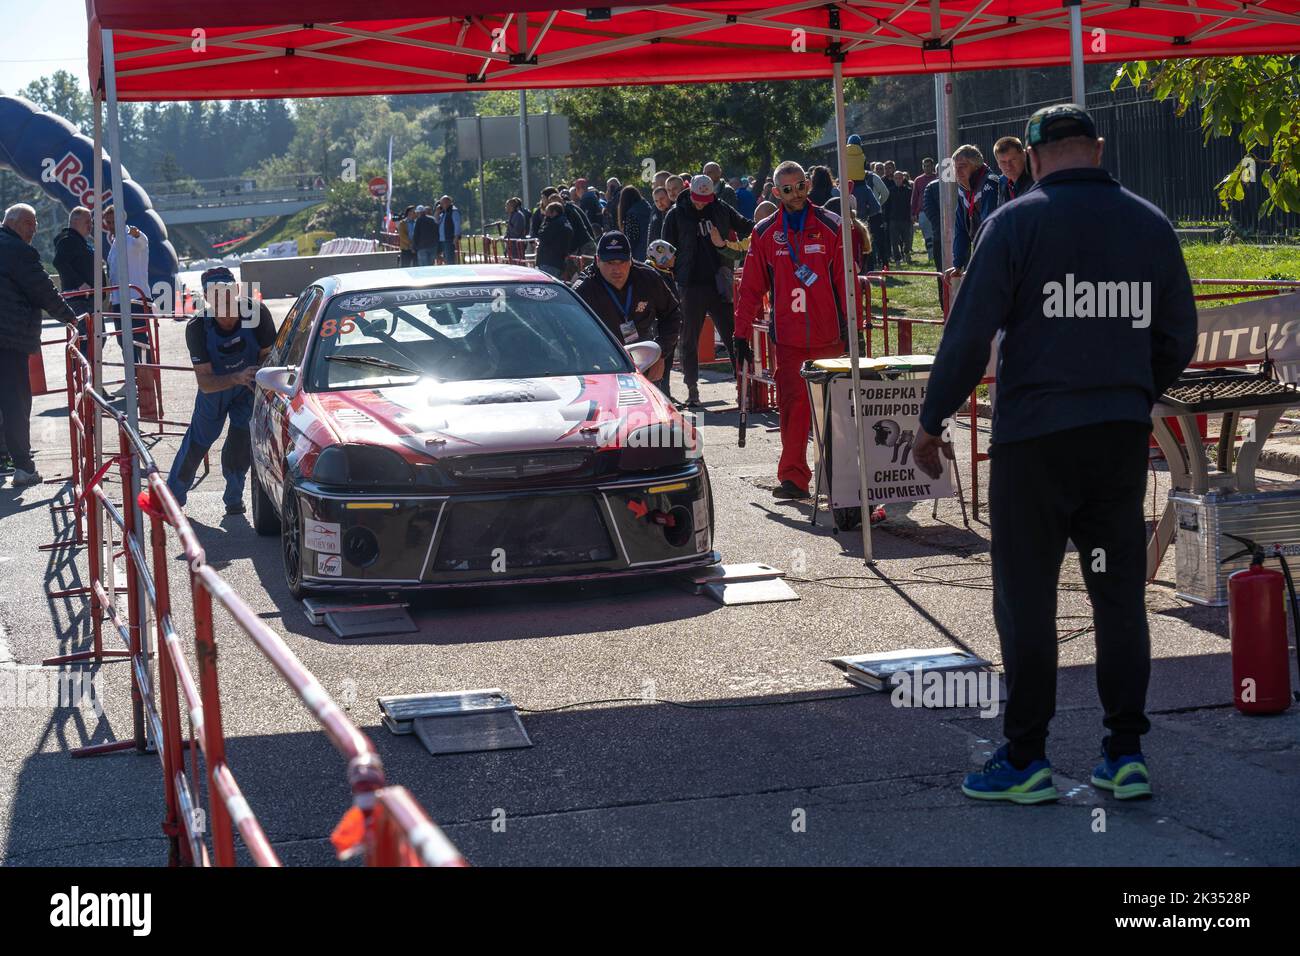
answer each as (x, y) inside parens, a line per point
(999, 780)
(1126, 777)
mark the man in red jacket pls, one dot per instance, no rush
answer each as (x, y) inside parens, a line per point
(795, 257)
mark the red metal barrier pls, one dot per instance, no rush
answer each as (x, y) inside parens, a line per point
(385, 824)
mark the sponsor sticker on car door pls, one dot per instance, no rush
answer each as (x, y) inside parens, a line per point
(330, 564)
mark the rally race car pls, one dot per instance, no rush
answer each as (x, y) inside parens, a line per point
(467, 426)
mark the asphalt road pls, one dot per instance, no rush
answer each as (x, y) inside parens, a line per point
(666, 729)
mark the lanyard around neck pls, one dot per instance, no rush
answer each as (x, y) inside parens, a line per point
(626, 306)
(789, 236)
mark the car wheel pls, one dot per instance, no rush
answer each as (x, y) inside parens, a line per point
(291, 545)
(265, 521)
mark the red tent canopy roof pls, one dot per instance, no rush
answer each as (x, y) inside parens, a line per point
(174, 50)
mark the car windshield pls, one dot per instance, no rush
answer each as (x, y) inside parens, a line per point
(459, 333)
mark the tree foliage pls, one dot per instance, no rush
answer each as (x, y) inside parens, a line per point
(1255, 99)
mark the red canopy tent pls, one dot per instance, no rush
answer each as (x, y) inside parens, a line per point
(341, 47)
(173, 50)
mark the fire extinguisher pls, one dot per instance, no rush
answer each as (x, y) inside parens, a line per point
(1261, 676)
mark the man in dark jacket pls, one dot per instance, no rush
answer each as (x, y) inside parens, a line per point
(25, 291)
(1093, 334)
(1015, 178)
(977, 197)
(930, 209)
(589, 202)
(584, 236)
(662, 204)
(74, 258)
(554, 240)
(721, 188)
(701, 274)
(633, 302)
(424, 237)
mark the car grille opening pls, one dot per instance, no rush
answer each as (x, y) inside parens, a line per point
(515, 533)
(521, 465)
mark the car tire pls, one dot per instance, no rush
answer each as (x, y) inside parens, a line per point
(291, 545)
(265, 521)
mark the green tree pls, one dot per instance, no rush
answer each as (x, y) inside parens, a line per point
(1253, 98)
(60, 93)
(349, 209)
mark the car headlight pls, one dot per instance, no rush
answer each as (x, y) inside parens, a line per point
(361, 465)
(661, 445)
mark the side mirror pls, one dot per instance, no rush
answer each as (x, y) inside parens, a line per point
(644, 354)
(279, 379)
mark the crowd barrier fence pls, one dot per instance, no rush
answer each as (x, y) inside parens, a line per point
(384, 824)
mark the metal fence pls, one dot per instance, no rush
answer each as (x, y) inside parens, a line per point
(1154, 152)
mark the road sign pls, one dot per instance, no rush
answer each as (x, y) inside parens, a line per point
(379, 187)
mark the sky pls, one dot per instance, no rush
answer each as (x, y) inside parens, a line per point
(41, 36)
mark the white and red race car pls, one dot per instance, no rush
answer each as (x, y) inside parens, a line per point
(467, 426)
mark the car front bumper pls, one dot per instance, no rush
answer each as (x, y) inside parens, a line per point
(620, 528)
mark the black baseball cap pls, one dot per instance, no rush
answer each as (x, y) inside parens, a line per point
(612, 247)
(1059, 122)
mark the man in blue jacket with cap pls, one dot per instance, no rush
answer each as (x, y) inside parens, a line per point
(1093, 334)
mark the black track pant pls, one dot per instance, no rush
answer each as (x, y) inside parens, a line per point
(696, 301)
(16, 407)
(1085, 485)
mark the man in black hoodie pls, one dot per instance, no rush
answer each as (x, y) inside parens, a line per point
(703, 277)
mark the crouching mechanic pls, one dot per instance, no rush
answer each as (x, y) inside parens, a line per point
(633, 301)
(227, 343)
(794, 258)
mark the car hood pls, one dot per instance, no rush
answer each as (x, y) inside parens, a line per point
(438, 419)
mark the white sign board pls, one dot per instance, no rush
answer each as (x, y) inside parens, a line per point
(1242, 332)
(889, 412)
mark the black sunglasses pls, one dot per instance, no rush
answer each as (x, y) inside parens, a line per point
(787, 189)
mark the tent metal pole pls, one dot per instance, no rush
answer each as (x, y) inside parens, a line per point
(95, 332)
(945, 125)
(1077, 92)
(482, 190)
(126, 329)
(522, 27)
(850, 300)
(523, 140)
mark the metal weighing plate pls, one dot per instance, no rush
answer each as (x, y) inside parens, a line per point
(470, 733)
(751, 592)
(351, 624)
(732, 573)
(402, 710)
(317, 608)
(457, 722)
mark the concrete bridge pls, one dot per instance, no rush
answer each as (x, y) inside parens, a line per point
(227, 199)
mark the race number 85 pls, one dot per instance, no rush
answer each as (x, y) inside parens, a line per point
(332, 327)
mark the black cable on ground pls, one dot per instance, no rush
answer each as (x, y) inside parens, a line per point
(686, 706)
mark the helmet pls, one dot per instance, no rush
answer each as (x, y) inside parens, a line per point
(661, 252)
(887, 432)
